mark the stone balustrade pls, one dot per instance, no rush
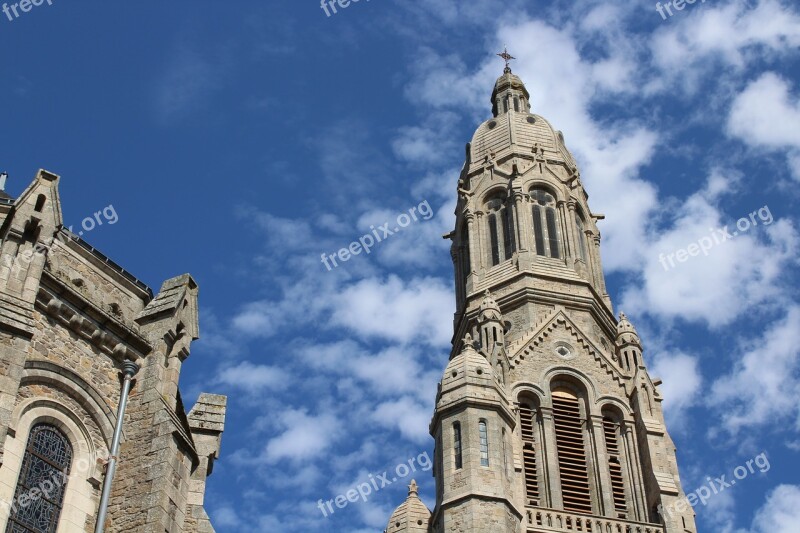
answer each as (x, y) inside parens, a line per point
(546, 520)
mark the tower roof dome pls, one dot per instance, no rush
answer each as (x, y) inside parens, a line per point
(411, 516)
(469, 367)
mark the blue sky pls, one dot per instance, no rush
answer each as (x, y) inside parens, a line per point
(239, 142)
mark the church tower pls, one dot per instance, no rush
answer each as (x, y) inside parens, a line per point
(546, 417)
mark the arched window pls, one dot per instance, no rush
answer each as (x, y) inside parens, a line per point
(484, 441)
(42, 482)
(572, 464)
(493, 240)
(527, 428)
(516, 104)
(501, 230)
(611, 432)
(581, 238)
(545, 229)
(457, 445)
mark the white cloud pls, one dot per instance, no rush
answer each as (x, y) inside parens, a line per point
(737, 274)
(780, 513)
(764, 386)
(304, 436)
(431, 143)
(732, 34)
(406, 416)
(393, 371)
(417, 311)
(766, 115)
(254, 379)
(226, 516)
(681, 384)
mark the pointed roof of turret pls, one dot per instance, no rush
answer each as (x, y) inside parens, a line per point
(626, 333)
(489, 309)
(411, 516)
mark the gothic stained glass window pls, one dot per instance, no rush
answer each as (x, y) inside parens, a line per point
(42, 482)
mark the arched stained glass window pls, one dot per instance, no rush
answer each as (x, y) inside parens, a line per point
(42, 482)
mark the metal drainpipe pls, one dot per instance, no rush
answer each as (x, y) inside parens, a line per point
(129, 369)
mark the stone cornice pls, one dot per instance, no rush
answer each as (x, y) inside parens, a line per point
(94, 325)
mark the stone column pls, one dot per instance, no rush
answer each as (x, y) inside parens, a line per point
(549, 457)
(565, 225)
(573, 223)
(635, 481)
(482, 240)
(601, 284)
(524, 221)
(474, 245)
(606, 502)
(523, 240)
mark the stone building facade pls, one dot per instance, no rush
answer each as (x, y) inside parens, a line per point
(69, 318)
(546, 417)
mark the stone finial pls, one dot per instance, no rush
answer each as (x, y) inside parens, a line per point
(489, 309)
(413, 489)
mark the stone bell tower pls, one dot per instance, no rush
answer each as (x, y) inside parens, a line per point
(546, 417)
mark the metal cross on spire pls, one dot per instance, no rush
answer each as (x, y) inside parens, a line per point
(507, 58)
